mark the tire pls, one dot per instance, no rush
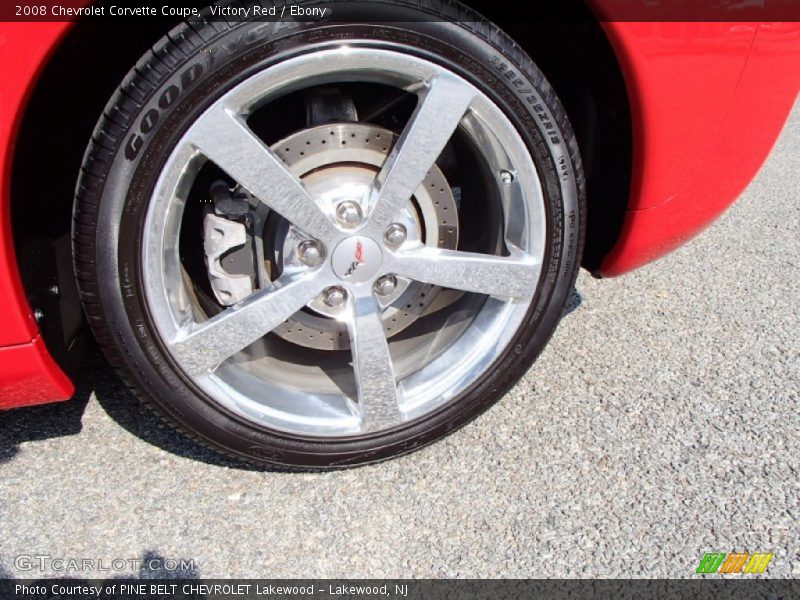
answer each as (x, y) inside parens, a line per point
(131, 249)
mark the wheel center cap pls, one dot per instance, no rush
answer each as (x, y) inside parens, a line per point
(357, 259)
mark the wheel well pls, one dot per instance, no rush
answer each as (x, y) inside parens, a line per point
(69, 96)
(576, 56)
(89, 64)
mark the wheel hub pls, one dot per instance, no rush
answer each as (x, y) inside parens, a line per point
(357, 259)
(338, 164)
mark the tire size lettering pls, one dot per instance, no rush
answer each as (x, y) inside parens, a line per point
(563, 169)
(530, 97)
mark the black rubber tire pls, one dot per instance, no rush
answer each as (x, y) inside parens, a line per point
(136, 133)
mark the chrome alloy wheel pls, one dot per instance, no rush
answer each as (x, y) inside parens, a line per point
(355, 240)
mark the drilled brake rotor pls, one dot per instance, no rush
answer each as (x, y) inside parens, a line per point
(339, 162)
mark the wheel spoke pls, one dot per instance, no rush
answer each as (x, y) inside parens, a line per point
(436, 117)
(377, 390)
(504, 277)
(207, 344)
(227, 142)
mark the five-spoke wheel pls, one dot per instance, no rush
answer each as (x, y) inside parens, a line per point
(336, 251)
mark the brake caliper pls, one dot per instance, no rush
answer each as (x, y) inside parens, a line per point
(227, 246)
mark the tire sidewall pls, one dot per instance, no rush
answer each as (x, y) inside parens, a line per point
(232, 56)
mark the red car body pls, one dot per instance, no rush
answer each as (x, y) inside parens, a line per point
(707, 102)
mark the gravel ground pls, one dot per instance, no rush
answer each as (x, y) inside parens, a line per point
(661, 423)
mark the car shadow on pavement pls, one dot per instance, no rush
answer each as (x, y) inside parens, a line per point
(130, 413)
(37, 423)
(573, 302)
(48, 421)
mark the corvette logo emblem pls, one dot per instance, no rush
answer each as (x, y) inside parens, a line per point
(359, 252)
(359, 259)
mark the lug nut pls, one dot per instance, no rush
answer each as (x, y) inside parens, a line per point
(507, 177)
(396, 234)
(349, 214)
(309, 253)
(386, 285)
(334, 296)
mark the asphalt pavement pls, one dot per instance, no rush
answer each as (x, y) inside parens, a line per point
(661, 423)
